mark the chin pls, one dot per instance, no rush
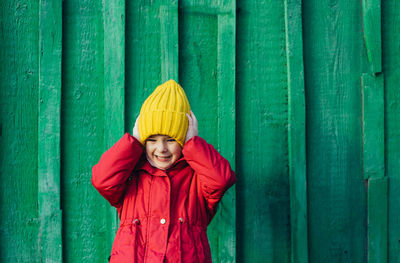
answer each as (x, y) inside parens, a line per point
(163, 167)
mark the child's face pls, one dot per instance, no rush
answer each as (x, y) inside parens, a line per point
(162, 151)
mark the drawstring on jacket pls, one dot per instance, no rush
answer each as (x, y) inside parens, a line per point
(180, 239)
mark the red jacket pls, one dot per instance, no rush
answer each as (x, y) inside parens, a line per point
(164, 214)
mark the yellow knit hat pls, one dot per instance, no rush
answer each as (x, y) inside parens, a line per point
(164, 112)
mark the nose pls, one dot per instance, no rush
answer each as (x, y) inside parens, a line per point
(162, 146)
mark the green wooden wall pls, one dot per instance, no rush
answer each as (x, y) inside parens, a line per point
(301, 97)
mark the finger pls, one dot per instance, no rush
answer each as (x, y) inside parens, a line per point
(194, 118)
(190, 120)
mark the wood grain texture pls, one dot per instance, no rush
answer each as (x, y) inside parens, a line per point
(209, 7)
(296, 132)
(263, 203)
(49, 130)
(169, 42)
(114, 91)
(198, 73)
(333, 62)
(19, 78)
(243, 72)
(377, 220)
(114, 71)
(371, 14)
(373, 126)
(374, 165)
(391, 69)
(86, 226)
(144, 60)
(207, 72)
(223, 228)
(373, 135)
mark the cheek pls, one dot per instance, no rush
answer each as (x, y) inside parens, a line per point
(148, 149)
(177, 151)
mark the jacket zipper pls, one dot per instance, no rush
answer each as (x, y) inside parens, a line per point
(148, 221)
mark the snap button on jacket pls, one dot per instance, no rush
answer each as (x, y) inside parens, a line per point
(164, 214)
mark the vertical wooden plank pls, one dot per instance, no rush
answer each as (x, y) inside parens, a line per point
(263, 203)
(207, 72)
(296, 133)
(333, 62)
(151, 51)
(114, 89)
(391, 69)
(50, 34)
(225, 220)
(377, 220)
(198, 68)
(373, 134)
(114, 70)
(373, 126)
(19, 79)
(85, 217)
(169, 41)
(371, 14)
(374, 165)
(143, 55)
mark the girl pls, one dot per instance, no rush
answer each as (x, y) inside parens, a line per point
(165, 182)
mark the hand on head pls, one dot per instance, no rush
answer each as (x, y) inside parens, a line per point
(192, 128)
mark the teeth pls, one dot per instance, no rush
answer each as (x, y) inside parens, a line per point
(162, 157)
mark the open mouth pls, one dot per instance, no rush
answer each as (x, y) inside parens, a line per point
(163, 158)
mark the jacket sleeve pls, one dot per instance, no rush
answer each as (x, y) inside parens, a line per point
(213, 170)
(110, 174)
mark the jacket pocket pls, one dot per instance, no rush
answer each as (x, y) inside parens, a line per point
(129, 241)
